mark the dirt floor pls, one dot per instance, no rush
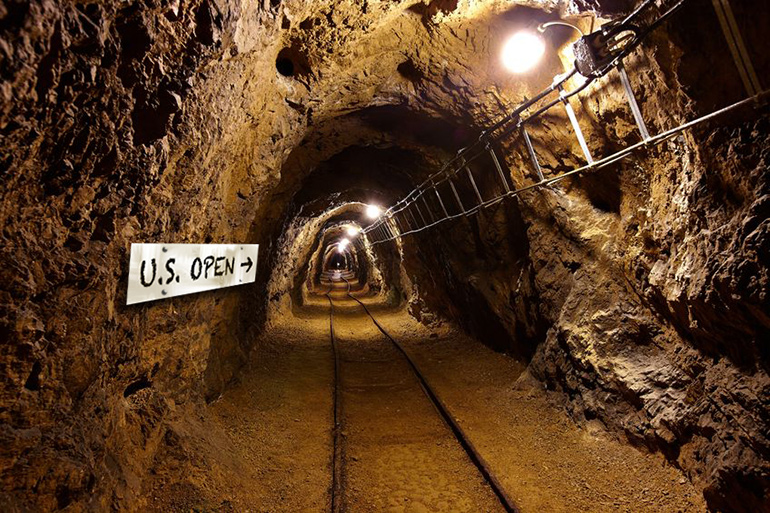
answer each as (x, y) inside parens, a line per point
(542, 458)
(266, 445)
(398, 453)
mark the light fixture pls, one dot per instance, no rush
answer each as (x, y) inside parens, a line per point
(341, 245)
(352, 231)
(373, 211)
(595, 52)
(522, 51)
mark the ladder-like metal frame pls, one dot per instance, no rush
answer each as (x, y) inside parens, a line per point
(400, 219)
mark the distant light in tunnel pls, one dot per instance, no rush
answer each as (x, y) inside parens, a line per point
(373, 211)
(523, 51)
(352, 231)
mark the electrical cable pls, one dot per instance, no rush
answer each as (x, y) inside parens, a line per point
(543, 26)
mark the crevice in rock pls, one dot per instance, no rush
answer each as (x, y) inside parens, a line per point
(292, 62)
(136, 386)
(33, 380)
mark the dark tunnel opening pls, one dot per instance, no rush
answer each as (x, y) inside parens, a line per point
(338, 261)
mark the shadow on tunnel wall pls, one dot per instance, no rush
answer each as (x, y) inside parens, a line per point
(477, 272)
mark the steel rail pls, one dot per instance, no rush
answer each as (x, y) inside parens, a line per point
(337, 442)
(473, 454)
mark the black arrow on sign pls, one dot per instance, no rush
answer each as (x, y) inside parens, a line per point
(249, 263)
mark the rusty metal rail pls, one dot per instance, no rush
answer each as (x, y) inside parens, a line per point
(462, 438)
(335, 493)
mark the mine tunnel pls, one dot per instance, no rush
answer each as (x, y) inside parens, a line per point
(385, 255)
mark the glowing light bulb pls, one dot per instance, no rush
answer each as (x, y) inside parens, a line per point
(342, 245)
(523, 51)
(352, 231)
(373, 211)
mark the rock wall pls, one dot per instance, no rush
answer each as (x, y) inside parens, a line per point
(149, 121)
(94, 97)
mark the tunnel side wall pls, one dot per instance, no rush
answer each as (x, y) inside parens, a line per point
(637, 292)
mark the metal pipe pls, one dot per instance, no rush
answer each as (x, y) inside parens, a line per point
(392, 229)
(424, 221)
(532, 154)
(441, 202)
(399, 224)
(393, 225)
(414, 218)
(388, 234)
(576, 126)
(617, 156)
(457, 196)
(498, 167)
(405, 222)
(737, 46)
(632, 102)
(427, 207)
(473, 183)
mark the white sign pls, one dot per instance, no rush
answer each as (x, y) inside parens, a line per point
(159, 271)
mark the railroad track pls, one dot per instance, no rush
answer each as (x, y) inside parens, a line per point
(337, 445)
(334, 280)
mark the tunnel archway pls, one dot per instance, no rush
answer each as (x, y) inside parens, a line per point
(337, 260)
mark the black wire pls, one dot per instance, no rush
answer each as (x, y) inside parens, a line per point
(641, 36)
(662, 19)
